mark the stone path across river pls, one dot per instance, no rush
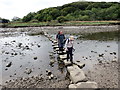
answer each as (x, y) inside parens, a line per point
(76, 74)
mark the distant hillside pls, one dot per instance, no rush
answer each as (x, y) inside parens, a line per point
(77, 11)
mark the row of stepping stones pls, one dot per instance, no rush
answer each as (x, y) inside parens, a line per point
(77, 75)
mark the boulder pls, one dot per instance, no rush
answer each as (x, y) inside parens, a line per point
(76, 74)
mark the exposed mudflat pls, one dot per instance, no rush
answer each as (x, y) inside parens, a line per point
(25, 59)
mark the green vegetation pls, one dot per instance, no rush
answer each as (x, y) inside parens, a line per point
(35, 33)
(77, 11)
(102, 36)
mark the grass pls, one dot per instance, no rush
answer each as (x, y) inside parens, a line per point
(68, 23)
(102, 36)
(36, 33)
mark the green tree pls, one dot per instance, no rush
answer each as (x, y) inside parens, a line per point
(61, 19)
(29, 17)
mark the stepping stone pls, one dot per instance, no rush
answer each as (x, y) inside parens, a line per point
(56, 46)
(54, 41)
(57, 49)
(61, 52)
(79, 64)
(87, 84)
(67, 62)
(76, 74)
(63, 56)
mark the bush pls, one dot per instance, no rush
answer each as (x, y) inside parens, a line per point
(61, 19)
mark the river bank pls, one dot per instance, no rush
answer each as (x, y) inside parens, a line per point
(55, 24)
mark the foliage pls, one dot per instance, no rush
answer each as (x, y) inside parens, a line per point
(61, 19)
(77, 11)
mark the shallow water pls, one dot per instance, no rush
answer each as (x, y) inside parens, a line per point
(86, 51)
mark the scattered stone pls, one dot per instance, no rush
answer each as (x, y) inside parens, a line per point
(9, 64)
(20, 44)
(52, 62)
(28, 71)
(38, 45)
(108, 46)
(48, 72)
(35, 58)
(101, 55)
(114, 53)
(114, 60)
(6, 69)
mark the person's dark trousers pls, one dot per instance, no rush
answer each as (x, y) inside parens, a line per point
(61, 46)
(69, 54)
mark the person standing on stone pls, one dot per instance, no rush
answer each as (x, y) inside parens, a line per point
(57, 35)
(60, 37)
(69, 48)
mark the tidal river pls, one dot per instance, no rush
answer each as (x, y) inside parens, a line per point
(32, 52)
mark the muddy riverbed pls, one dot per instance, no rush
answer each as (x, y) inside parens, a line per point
(25, 58)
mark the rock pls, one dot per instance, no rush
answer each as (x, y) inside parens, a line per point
(72, 86)
(52, 76)
(38, 45)
(76, 74)
(52, 62)
(9, 64)
(49, 72)
(28, 71)
(108, 46)
(100, 61)
(101, 55)
(87, 84)
(61, 52)
(67, 62)
(114, 60)
(56, 46)
(35, 58)
(63, 56)
(20, 44)
(114, 53)
(79, 64)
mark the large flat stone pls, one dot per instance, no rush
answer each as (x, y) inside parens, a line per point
(67, 62)
(63, 56)
(87, 84)
(56, 46)
(56, 49)
(79, 64)
(76, 74)
(61, 52)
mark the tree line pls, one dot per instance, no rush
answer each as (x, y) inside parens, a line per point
(76, 11)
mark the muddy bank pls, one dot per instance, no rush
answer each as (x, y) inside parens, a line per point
(105, 74)
(66, 29)
(38, 81)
